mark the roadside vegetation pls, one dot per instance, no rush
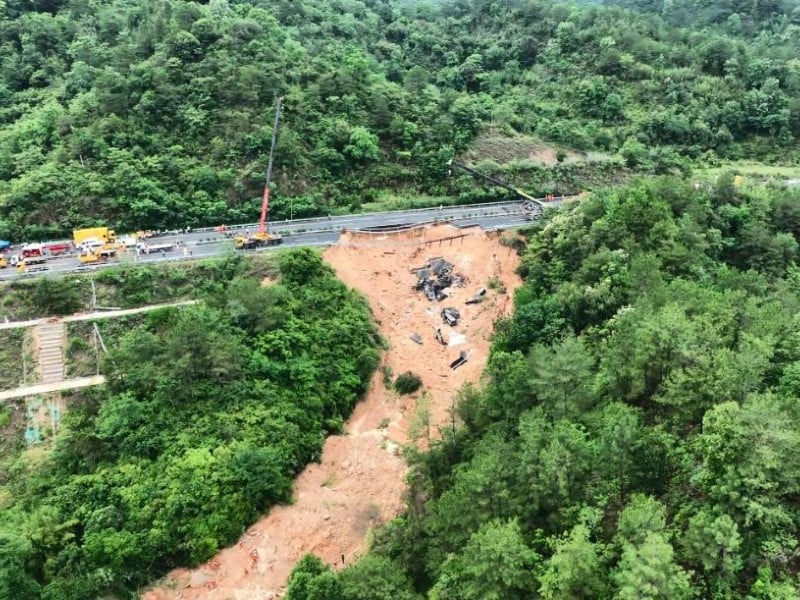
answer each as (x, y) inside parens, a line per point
(208, 414)
(11, 349)
(157, 114)
(126, 286)
(84, 352)
(638, 436)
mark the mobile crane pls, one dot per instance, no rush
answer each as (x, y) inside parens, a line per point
(531, 207)
(263, 237)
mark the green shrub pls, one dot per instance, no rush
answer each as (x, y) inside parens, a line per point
(407, 383)
(387, 373)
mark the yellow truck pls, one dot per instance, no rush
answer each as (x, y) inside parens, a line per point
(3, 262)
(101, 234)
(94, 255)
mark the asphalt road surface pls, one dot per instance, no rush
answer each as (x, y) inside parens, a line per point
(204, 243)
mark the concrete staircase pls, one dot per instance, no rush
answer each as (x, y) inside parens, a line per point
(50, 337)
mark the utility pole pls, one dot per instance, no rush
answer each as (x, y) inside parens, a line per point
(263, 226)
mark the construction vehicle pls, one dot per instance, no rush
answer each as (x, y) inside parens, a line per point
(263, 237)
(532, 208)
(98, 244)
(103, 234)
(3, 262)
(90, 255)
(32, 264)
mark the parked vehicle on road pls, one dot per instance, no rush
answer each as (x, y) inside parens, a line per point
(143, 248)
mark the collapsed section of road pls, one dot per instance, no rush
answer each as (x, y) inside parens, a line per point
(359, 481)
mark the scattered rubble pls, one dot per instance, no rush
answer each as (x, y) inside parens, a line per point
(436, 277)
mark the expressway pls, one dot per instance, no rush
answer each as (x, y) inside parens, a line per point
(320, 231)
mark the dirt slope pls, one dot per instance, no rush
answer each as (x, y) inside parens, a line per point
(360, 480)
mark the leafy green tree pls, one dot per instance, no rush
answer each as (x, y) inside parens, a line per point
(562, 379)
(56, 297)
(714, 544)
(575, 569)
(746, 455)
(15, 582)
(765, 587)
(375, 578)
(496, 563)
(647, 570)
(311, 579)
(363, 145)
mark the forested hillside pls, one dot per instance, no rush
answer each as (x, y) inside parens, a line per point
(208, 413)
(738, 16)
(639, 437)
(157, 113)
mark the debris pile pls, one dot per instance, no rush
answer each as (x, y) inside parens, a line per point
(436, 277)
(532, 210)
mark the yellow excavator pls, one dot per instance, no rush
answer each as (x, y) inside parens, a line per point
(103, 253)
(263, 237)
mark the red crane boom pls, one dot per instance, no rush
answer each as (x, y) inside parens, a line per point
(263, 226)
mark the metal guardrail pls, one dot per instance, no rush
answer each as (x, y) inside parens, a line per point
(292, 222)
(454, 207)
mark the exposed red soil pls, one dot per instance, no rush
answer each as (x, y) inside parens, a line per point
(361, 478)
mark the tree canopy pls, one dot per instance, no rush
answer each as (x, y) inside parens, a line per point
(157, 114)
(208, 413)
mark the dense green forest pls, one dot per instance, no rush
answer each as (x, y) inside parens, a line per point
(739, 17)
(208, 413)
(157, 113)
(639, 437)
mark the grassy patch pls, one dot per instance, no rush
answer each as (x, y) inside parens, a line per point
(390, 201)
(84, 352)
(758, 170)
(17, 365)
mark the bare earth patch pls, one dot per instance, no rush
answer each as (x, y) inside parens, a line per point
(360, 480)
(503, 149)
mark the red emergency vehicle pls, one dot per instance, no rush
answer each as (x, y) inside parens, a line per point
(32, 250)
(55, 248)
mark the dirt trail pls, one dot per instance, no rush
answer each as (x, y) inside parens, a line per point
(360, 481)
